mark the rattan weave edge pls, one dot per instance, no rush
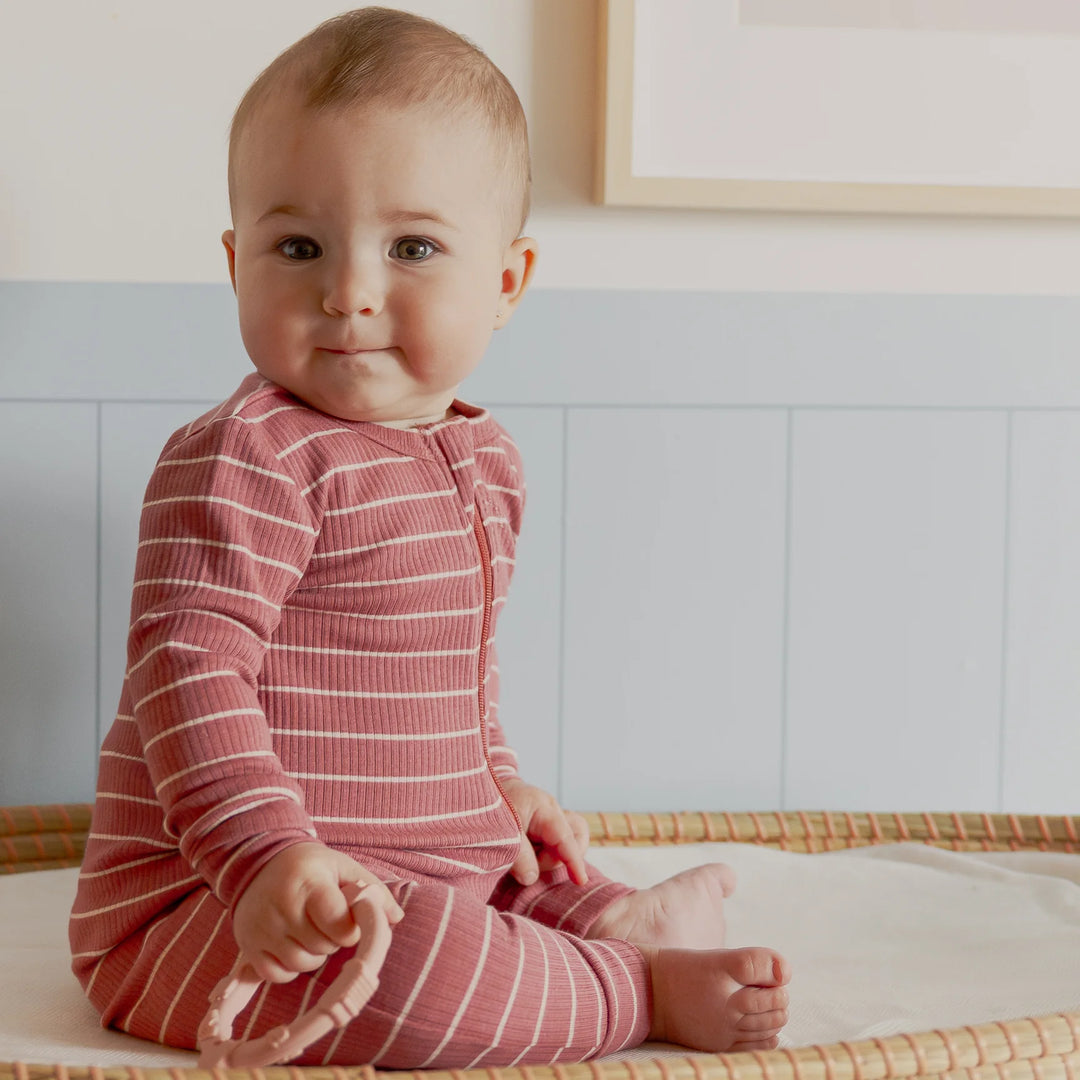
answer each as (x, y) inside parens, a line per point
(1034, 1048)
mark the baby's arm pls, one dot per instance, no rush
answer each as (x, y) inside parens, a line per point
(225, 536)
(293, 914)
(552, 835)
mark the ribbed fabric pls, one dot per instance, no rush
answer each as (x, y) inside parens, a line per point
(311, 654)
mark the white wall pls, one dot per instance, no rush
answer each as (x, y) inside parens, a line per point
(112, 162)
(853, 582)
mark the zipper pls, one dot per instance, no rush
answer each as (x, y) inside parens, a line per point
(481, 695)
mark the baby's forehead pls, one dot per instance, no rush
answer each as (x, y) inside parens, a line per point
(283, 117)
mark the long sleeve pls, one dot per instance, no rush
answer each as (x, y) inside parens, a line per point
(224, 538)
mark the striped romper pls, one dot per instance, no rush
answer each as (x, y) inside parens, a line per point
(311, 655)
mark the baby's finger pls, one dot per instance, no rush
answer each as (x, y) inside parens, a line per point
(580, 828)
(329, 919)
(525, 869)
(394, 911)
(558, 837)
(270, 968)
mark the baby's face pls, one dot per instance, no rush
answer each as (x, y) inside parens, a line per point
(370, 256)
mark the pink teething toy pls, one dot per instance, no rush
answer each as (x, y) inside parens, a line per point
(342, 1000)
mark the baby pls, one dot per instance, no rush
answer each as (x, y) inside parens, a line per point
(312, 686)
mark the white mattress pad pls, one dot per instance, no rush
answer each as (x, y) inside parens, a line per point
(885, 940)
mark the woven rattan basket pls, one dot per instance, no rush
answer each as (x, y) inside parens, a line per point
(1038, 1048)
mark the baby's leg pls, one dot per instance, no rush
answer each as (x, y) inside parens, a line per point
(462, 985)
(685, 911)
(705, 997)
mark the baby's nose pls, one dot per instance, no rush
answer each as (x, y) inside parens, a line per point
(355, 288)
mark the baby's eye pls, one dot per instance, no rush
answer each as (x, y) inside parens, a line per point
(299, 248)
(413, 249)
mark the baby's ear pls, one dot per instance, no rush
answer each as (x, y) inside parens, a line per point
(518, 266)
(228, 238)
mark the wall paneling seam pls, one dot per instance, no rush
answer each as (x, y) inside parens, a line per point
(1003, 674)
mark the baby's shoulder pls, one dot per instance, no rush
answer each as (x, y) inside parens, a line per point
(264, 426)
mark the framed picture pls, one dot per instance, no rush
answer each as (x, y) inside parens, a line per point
(881, 106)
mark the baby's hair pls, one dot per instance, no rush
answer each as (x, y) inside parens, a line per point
(380, 55)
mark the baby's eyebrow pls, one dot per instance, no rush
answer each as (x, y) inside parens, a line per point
(405, 217)
(284, 209)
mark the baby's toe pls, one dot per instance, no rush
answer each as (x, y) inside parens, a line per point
(725, 876)
(755, 1000)
(764, 1024)
(756, 1044)
(757, 967)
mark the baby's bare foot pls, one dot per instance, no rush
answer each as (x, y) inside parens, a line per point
(684, 912)
(719, 999)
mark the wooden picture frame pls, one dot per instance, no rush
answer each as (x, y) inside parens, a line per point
(617, 184)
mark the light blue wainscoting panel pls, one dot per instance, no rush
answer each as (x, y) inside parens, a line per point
(48, 600)
(1041, 747)
(779, 550)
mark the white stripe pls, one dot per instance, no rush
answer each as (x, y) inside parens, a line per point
(226, 547)
(306, 529)
(192, 969)
(207, 585)
(235, 414)
(471, 868)
(88, 874)
(463, 464)
(573, 989)
(356, 467)
(213, 817)
(119, 1024)
(126, 1023)
(382, 695)
(250, 842)
(509, 1002)
(92, 952)
(374, 652)
(180, 682)
(543, 997)
(393, 540)
(157, 649)
(230, 461)
(122, 757)
(372, 736)
(469, 991)
(387, 779)
(633, 995)
(573, 907)
(132, 839)
(411, 615)
(156, 616)
(127, 798)
(416, 496)
(504, 490)
(436, 945)
(213, 761)
(491, 450)
(409, 820)
(515, 839)
(171, 887)
(196, 721)
(496, 520)
(307, 438)
(272, 412)
(446, 575)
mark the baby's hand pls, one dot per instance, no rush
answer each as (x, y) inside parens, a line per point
(293, 915)
(552, 835)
